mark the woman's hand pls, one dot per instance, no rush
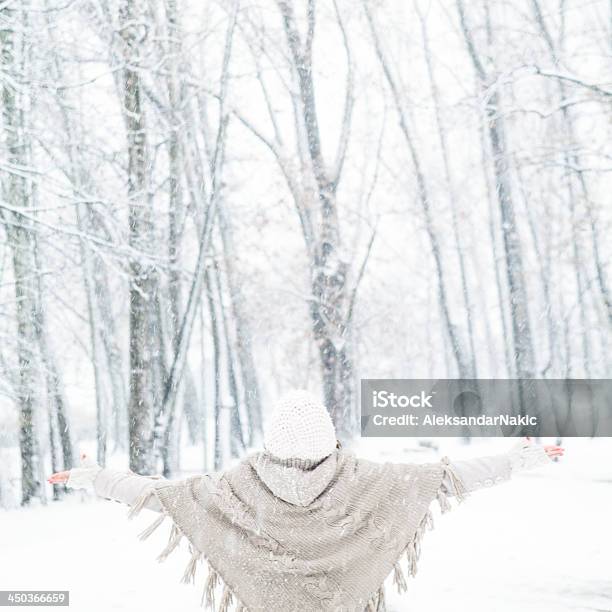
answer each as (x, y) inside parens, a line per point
(62, 477)
(552, 450)
(59, 477)
(525, 455)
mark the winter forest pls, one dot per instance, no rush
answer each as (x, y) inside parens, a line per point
(206, 203)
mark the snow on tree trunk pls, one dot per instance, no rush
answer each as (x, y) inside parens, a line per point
(329, 270)
(465, 365)
(244, 347)
(519, 304)
(143, 280)
(16, 190)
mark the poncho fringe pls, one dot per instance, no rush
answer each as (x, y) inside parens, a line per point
(376, 602)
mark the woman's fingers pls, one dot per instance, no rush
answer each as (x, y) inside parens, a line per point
(554, 451)
(62, 477)
(59, 477)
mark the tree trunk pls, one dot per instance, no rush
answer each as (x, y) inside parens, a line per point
(188, 403)
(237, 445)
(143, 281)
(454, 200)
(465, 366)
(17, 191)
(112, 354)
(244, 349)
(55, 394)
(204, 241)
(573, 162)
(521, 329)
(328, 306)
(216, 347)
(492, 235)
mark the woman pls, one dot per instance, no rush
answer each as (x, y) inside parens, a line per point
(303, 525)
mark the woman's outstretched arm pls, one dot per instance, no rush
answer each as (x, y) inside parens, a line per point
(122, 486)
(487, 471)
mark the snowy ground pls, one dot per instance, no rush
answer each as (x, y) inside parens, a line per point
(540, 544)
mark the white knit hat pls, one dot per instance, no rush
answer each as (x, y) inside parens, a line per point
(299, 428)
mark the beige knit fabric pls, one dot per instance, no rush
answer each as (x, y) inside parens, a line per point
(327, 551)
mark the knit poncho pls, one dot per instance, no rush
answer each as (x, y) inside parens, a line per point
(289, 535)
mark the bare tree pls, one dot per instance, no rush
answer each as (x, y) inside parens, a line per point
(318, 213)
(209, 211)
(575, 174)
(453, 198)
(143, 281)
(465, 365)
(154, 174)
(176, 207)
(519, 303)
(17, 192)
(244, 340)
